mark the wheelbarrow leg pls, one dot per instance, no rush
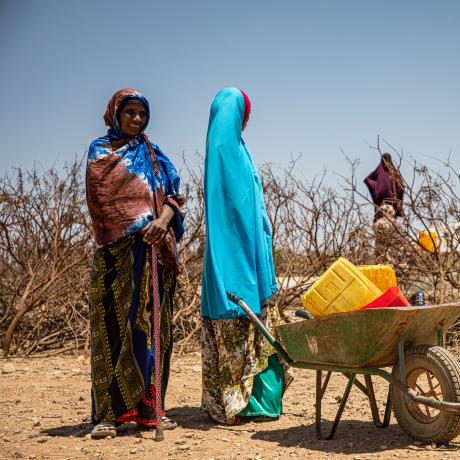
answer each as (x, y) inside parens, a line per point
(320, 390)
(373, 403)
(358, 384)
(325, 384)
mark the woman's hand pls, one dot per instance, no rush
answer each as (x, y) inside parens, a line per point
(155, 231)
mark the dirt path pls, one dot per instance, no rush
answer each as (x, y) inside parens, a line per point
(45, 403)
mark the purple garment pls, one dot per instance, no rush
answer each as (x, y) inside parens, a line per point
(385, 185)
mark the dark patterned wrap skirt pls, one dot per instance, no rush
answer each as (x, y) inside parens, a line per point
(121, 321)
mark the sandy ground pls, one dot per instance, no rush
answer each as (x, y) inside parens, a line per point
(45, 405)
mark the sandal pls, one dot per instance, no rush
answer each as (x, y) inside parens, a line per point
(104, 430)
(167, 423)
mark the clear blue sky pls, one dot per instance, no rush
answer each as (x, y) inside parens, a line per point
(322, 75)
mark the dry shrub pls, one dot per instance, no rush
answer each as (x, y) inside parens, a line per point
(44, 259)
(46, 246)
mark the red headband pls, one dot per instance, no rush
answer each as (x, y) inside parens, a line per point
(247, 106)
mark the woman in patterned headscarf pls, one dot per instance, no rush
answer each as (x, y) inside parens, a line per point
(135, 203)
(242, 377)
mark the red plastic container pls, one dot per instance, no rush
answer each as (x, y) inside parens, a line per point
(392, 297)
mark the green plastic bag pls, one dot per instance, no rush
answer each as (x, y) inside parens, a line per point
(267, 391)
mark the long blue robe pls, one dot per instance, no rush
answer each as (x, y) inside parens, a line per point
(238, 254)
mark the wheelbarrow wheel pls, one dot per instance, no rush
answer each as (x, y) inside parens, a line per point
(433, 372)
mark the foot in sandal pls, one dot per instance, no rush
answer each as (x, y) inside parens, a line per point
(104, 430)
(167, 423)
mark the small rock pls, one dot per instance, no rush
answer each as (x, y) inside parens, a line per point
(8, 368)
(80, 358)
(350, 445)
(42, 439)
(137, 440)
(383, 447)
(225, 439)
(188, 435)
(37, 423)
(32, 457)
(183, 448)
(133, 450)
(81, 398)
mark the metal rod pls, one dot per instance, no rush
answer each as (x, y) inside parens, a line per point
(402, 369)
(318, 396)
(357, 384)
(326, 382)
(373, 404)
(339, 413)
(440, 336)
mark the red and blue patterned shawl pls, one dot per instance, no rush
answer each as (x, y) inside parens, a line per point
(129, 180)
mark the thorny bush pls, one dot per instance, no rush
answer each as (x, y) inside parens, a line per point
(46, 247)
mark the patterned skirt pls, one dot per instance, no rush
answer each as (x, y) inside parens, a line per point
(234, 352)
(122, 350)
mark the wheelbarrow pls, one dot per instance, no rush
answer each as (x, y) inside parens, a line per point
(424, 384)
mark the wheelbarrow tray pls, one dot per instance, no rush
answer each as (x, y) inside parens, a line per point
(365, 338)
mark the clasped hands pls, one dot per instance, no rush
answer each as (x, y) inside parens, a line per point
(155, 231)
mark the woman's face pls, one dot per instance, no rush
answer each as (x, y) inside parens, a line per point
(132, 117)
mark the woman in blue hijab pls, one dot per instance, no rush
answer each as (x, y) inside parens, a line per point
(242, 377)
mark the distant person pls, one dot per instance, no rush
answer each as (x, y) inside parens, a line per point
(242, 377)
(134, 199)
(386, 186)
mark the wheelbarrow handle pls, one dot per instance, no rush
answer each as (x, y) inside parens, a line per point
(281, 352)
(234, 298)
